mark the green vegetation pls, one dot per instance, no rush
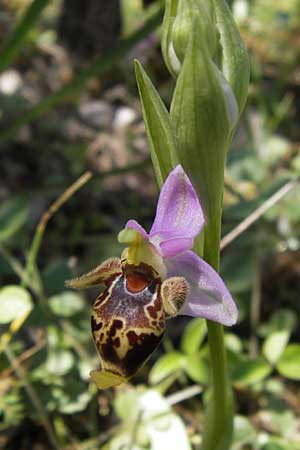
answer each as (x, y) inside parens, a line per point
(75, 166)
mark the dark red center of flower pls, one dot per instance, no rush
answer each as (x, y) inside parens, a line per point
(136, 282)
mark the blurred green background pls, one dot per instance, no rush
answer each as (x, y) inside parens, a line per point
(69, 108)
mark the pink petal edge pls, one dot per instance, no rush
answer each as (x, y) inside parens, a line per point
(209, 297)
(136, 226)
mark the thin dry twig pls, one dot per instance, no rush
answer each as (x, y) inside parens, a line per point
(40, 230)
(25, 355)
(184, 394)
(14, 327)
(63, 198)
(12, 261)
(260, 211)
(21, 374)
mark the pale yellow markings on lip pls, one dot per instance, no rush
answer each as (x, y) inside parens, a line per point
(121, 332)
(159, 315)
(122, 350)
(109, 366)
(183, 202)
(104, 299)
(125, 347)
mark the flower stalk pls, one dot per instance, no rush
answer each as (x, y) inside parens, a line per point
(219, 416)
(204, 52)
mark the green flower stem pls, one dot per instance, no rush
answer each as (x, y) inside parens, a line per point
(218, 428)
(219, 419)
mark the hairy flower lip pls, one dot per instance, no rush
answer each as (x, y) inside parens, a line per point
(179, 219)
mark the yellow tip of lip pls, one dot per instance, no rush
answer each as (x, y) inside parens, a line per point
(105, 379)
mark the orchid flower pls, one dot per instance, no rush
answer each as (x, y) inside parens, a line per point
(179, 219)
(157, 277)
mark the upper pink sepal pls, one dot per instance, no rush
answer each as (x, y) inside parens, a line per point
(179, 216)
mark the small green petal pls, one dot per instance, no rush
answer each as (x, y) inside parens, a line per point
(140, 250)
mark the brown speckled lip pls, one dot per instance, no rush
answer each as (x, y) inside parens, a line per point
(122, 322)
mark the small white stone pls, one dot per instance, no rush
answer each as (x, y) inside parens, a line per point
(10, 82)
(124, 116)
(96, 113)
(293, 243)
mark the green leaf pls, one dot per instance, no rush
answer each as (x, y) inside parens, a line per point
(276, 443)
(15, 302)
(196, 368)
(165, 366)
(55, 274)
(13, 215)
(283, 423)
(280, 328)
(233, 343)
(275, 344)
(158, 126)
(289, 362)
(67, 303)
(59, 362)
(193, 336)
(73, 398)
(283, 319)
(246, 372)
(12, 409)
(244, 433)
(273, 446)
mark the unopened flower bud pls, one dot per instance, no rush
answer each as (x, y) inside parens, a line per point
(179, 15)
(216, 30)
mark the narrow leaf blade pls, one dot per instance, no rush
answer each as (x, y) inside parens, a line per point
(158, 126)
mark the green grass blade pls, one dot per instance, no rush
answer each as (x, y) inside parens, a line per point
(98, 66)
(15, 39)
